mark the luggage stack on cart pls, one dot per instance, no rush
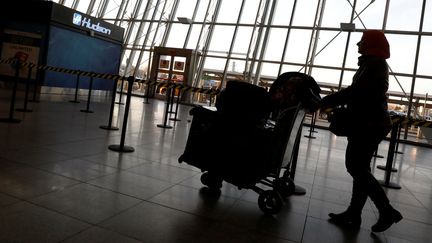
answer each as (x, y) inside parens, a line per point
(251, 140)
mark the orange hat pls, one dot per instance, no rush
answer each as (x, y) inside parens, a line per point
(374, 43)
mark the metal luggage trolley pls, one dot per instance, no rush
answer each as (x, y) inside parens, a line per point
(284, 137)
(280, 160)
(287, 134)
(250, 155)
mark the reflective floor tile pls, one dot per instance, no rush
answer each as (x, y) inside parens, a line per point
(117, 160)
(131, 184)
(78, 169)
(149, 222)
(6, 200)
(86, 202)
(285, 224)
(163, 172)
(100, 235)
(25, 182)
(24, 222)
(318, 230)
(203, 202)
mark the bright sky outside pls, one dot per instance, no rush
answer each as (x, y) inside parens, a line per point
(404, 15)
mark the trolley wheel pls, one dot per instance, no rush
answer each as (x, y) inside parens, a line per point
(285, 187)
(270, 202)
(210, 180)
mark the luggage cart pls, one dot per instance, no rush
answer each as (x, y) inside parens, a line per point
(269, 167)
(246, 153)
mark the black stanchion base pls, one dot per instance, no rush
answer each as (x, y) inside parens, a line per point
(378, 156)
(86, 111)
(118, 148)
(34, 101)
(24, 110)
(299, 190)
(119, 103)
(307, 136)
(174, 119)
(108, 127)
(164, 126)
(389, 184)
(383, 167)
(10, 120)
(74, 101)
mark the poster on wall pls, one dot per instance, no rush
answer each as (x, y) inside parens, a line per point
(164, 64)
(179, 66)
(24, 46)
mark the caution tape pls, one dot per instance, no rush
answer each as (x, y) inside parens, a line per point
(182, 87)
(395, 119)
(403, 120)
(410, 121)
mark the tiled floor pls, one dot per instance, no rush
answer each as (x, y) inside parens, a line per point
(60, 182)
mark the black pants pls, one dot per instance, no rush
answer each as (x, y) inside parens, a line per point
(359, 153)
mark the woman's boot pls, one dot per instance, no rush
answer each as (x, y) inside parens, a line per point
(386, 219)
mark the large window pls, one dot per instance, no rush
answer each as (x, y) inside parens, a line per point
(404, 15)
(312, 42)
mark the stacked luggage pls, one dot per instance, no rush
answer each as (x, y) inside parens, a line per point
(250, 140)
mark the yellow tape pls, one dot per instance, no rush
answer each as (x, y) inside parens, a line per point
(111, 76)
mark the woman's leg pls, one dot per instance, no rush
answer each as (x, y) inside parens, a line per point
(359, 154)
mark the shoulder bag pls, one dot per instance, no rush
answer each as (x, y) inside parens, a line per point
(341, 122)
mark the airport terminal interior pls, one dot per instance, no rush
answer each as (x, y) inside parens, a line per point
(91, 136)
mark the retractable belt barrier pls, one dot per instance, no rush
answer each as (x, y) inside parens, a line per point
(399, 119)
(115, 147)
(403, 120)
(411, 121)
(114, 77)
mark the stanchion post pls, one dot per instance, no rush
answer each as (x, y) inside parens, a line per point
(35, 86)
(312, 124)
(293, 165)
(27, 87)
(168, 101)
(11, 118)
(76, 88)
(87, 110)
(390, 156)
(398, 139)
(121, 93)
(210, 99)
(121, 147)
(376, 153)
(177, 106)
(147, 93)
(382, 167)
(109, 126)
(173, 89)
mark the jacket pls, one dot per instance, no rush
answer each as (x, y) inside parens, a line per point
(365, 98)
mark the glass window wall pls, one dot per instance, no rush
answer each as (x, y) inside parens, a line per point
(314, 42)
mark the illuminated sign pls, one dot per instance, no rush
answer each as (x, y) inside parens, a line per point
(79, 20)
